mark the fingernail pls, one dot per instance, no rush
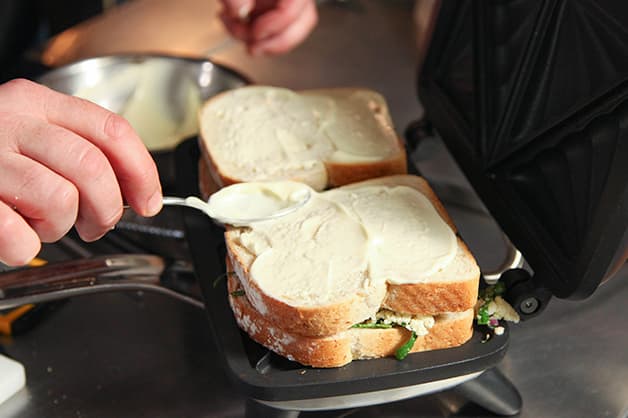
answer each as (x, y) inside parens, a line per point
(155, 203)
(244, 10)
(91, 237)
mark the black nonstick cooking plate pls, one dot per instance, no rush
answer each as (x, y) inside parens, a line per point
(265, 376)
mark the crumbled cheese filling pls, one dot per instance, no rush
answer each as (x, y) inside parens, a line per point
(500, 309)
(420, 324)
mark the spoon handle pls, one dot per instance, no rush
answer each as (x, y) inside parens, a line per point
(168, 201)
(176, 201)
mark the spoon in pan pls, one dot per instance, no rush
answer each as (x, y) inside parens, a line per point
(244, 203)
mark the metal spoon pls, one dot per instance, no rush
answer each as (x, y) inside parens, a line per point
(297, 199)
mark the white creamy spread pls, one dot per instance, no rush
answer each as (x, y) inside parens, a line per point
(161, 105)
(314, 254)
(408, 240)
(349, 241)
(270, 133)
(248, 202)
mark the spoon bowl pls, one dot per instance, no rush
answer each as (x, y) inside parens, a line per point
(245, 203)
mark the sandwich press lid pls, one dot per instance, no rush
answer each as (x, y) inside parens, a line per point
(531, 98)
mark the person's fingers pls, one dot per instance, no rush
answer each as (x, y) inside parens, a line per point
(290, 37)
(238, 9)
(18, 242)
(46, 201)
(80, 162)
(113, 135)
(275, 21)
(134, 167)
(235, 27)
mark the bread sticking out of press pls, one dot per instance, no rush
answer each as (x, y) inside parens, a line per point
(359, 254)
(447, 330)
(324, 138)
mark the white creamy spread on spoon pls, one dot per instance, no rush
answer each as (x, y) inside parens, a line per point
(242, 203)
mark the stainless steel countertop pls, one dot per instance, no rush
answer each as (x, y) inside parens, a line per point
(128, 355)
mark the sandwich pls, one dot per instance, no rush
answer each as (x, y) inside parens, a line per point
(372, 266)
(362, 271)
(323, 138)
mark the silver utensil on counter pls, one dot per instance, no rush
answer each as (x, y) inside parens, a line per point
(86, 276)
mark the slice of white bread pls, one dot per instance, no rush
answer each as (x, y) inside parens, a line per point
(449, 330)
(323, 138)
(355, 298)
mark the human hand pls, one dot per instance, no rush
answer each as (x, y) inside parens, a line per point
(65, 161)
(269, 26)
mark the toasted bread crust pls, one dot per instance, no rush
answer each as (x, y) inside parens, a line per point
(210, 175)
(301, 320)
(340, 174)
(352, 344)
(206, 184)
(432, 298)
